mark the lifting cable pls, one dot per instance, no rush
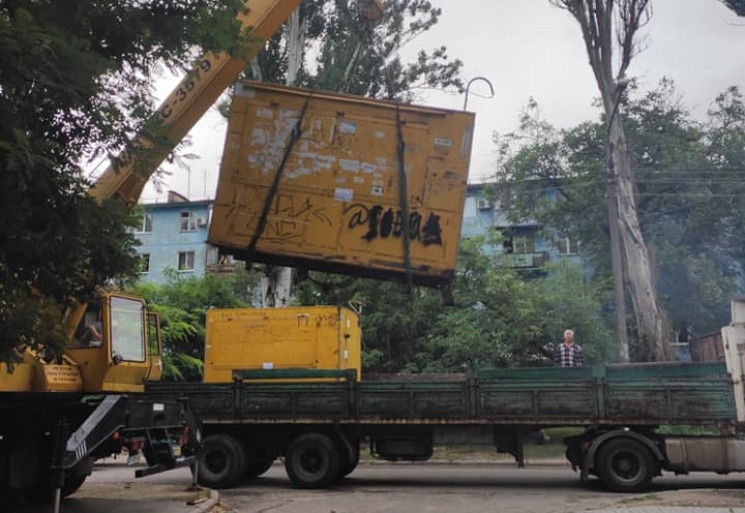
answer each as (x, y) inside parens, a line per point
(295, 134)
(402, 199)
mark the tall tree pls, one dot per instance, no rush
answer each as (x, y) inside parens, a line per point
(344, 52)
(736, 5)
(75, 80)
(690, 182)
(608, 26)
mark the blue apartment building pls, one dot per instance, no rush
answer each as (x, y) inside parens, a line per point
(525, 246)
(173, 235)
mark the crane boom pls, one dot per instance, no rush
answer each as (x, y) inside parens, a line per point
(128, 172)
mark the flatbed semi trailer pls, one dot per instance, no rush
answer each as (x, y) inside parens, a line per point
(318, 427)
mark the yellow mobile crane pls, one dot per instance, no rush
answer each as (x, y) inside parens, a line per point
(58, 416)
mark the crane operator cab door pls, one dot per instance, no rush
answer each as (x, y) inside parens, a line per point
(111, 347)
(154, 347)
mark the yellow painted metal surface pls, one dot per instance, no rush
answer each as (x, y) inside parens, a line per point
(197, 92)
(20, 380)
(57, 378)
(339, 202)
(313, 337)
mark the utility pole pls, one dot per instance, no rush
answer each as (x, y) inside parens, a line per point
(615, 239)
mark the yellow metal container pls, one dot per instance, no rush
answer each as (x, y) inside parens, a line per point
(310, 337)
(333, 198)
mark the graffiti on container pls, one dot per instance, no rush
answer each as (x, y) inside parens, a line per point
(381, 222)
(289, 217)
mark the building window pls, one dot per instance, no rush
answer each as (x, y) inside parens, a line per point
(188, 222)
(186, 261)
(143, 263)
(523, 244)
(146, 223)
(212, 256)
(567, 246)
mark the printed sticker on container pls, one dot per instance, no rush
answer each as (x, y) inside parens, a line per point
(348, 127)
(289, 113)
(267, 365)
(342, 194)
(350, 165)
(263, 112)
(443, 142)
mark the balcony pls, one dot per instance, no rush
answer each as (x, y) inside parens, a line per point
(523, 260)
(222, 269)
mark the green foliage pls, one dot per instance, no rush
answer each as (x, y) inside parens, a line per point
(182, 305)
(736, 5)
(690, 189)
(351, 56)
(499, 319)
(504, 320)
(75, 80)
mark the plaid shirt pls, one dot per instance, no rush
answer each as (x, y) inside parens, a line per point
(568, 356)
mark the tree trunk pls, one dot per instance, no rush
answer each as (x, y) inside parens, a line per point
(652, 322)
(596, 20)
(277, 284)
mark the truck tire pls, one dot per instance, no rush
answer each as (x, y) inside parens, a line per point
(624, 465)
(222, 462)
(258, 460)
(347, 465)
(312, 461)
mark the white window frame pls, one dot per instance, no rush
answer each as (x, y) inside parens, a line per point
(185, 257)
(187, 221)
(568, 246)
(523, 244)
(146, 223)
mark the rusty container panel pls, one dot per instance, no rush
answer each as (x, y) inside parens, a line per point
(337, 202)
(708, 348)
(311, 337)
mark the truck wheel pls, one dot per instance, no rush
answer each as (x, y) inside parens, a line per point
(312, 461)
(347, 465)
(221, 461)
(624, 465)
(258, 461)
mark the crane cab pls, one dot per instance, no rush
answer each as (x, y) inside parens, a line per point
(117, 345)
(115, 348)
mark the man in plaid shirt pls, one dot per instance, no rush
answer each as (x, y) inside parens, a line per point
(568, 354)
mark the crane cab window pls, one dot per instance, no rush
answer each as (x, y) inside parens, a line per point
(90, 331)
(128, 333)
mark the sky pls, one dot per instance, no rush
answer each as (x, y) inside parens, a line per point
(528, 48)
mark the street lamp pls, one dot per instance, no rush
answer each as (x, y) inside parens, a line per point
(468, 87)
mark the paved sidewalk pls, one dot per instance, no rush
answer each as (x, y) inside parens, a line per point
(670, 509)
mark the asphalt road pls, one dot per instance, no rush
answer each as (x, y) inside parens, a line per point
(471, 488)
(404, 488)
